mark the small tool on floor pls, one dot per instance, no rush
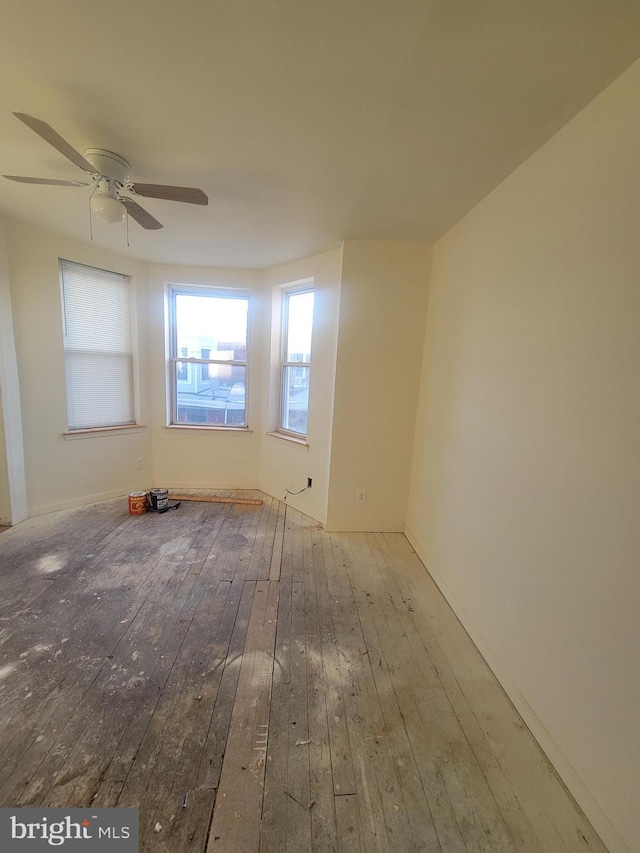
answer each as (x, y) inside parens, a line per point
(169, 506)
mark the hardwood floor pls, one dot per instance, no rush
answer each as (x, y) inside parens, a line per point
(255, 684)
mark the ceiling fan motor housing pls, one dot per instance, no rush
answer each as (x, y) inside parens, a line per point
(108, 165)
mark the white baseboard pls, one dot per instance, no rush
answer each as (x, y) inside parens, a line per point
(83, 500)
(594, 813)
(43, 509)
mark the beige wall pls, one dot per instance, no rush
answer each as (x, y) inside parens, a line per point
(285, 465)
(13, 495)
(66, 472)
(382, 309)
(61, 472)
(5, 319)
(196, 458)
(526, 474)
(5, 500)
(380, 327)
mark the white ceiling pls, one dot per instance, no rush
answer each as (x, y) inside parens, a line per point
(305, 121)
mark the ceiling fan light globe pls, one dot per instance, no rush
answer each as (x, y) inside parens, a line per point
(107, 208)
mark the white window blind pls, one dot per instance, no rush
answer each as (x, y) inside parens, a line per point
(98, 354)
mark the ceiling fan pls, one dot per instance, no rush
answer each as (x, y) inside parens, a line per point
(110, 175)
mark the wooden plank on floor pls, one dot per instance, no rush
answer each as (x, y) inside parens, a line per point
(342, 772)
(298, 790)
(210, 765)
(323, 819)
(77, 663)
(273, 830)
(259, 567)
(435, 694)
(181, 496)
(537, 787)
(249, 541)
(388, 694)
(152, 616)
(135, 677)
(187, 827)
(276, 556)
(178, 721)
(295, 535)
(237, 813)
(246, 540)
(348, 824)
(395, 706)
(59, 559)
(151, 734)
(455, 786)
(28, 548)
(362, 724)
(223, 556)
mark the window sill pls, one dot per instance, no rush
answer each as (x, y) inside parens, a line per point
(210, 428)
(97, 432)
(283, 436)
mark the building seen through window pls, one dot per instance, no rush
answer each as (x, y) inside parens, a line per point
(297, 325)
(209, 335)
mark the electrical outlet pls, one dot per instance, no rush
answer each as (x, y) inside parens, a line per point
(361, 496)
(140, 462)
(309, 482)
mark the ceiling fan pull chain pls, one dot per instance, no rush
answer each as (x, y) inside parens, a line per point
(90, 219)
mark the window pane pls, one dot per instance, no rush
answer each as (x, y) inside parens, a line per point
(212, 323)
(299, 326)
(295, 398)
(183, 372)
(212, 328)
(221, 400)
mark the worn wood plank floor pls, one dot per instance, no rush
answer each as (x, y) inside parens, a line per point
(254, 684)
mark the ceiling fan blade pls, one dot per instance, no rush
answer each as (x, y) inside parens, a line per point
(49, 181)
(186, 194)
(141, 216)
(53, 138)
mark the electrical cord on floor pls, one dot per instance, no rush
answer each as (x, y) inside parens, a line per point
(294, 493)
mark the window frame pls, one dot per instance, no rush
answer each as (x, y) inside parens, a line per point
(130, 354)
(185, 367)
(199, 364)
(287, 293)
